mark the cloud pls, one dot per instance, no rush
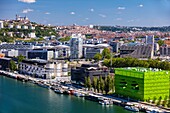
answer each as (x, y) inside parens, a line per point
(102, 15)
(47, 13)
(141, 5)
(27, 10)
(121, 8)
(118, 19)
(92, 10)
(27, 1)
(86, 18)
(72, 13)
(130, 21)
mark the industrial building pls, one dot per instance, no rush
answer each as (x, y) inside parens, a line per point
(142, 83)
(137, 51)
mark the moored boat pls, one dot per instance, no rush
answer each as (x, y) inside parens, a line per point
(132, 108)
(58, 91)
(106, 102)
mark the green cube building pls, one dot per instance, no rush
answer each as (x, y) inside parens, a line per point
(142, 83)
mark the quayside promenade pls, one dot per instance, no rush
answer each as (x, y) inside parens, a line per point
(60, 88)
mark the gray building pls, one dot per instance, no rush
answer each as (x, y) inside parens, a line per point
(136, 51)
(5, 64)
(165, 51)
(89, 50)
(40, 54)
(115, 46)
(76, 46)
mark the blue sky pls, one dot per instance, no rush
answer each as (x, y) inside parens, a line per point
(85, 12)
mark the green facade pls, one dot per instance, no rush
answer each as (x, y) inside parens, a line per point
(142, 83)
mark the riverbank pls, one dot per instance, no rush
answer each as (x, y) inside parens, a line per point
(68, 89)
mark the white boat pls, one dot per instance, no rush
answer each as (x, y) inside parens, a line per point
(132, 108)
(105, 102)
(77, 94)
(58, 91)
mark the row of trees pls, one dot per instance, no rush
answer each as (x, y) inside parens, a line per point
(99, 84)
(133, 62)
(160, 101)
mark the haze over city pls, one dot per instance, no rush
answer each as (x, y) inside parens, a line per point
(96, 12)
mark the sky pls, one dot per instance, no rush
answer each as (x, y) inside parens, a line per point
(86, 12)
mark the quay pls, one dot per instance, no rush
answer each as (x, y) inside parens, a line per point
(60, 88)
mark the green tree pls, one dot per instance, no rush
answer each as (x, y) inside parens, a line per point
(159, 101)
(102, 84)
(98, 85)
(67, 38)
(105, 52)
(97, 57)
(20, 58)
(112, 84)
(168, 103)
(108, 84)
(13, 66)
(88, 82)
(94, 83)
(154, 100)
(165, 101)
(160, 42)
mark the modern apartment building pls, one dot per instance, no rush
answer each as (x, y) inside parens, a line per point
(76, 46)
(43, 69)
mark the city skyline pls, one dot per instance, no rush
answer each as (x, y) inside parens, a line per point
(110, 12)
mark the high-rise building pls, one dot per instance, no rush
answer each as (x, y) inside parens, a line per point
(1, 24)
(76, 46)
(149, 39)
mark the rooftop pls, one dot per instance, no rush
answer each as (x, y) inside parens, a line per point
(142, 69)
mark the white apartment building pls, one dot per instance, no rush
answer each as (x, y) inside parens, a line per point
(43, 69)
(1, 24)
(76, 46)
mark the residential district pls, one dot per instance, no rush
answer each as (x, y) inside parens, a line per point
(128, 66)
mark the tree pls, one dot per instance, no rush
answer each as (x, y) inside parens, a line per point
(97, 57)
(108, 84)
(67, 38)
(160, 42)
(159, 101)
(94, 83)
(102, 84)
(165, 101)
(154, 100)
(88, 82)
(20, 58)
(98, 85)
(13, 66)
(168, 103)
(105, 52)
(112, 84)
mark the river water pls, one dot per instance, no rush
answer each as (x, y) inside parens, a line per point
(19, 97)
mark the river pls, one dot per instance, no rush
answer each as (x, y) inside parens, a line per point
(19, 97)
